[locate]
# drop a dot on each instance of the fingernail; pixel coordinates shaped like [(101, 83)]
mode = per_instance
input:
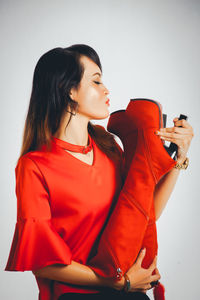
[(157, 132)]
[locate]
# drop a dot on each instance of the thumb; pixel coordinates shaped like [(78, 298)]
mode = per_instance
[(175, 119), (141, 256), (153, 265)]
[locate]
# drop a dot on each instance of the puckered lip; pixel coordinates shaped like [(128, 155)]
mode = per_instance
[(107, 101)]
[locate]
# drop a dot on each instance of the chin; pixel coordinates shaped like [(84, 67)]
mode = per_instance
[(101, 116)]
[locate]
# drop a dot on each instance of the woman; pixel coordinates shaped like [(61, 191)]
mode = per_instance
[(65, 191)]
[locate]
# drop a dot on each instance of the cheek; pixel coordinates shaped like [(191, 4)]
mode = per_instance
[(90, 96), (94, 92)]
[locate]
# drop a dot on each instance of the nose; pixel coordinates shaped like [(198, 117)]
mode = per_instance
[(106, 91)]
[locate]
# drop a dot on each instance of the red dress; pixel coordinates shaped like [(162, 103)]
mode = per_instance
[(62, 206)]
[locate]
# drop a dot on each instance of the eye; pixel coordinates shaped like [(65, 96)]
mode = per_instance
[(97, 82)]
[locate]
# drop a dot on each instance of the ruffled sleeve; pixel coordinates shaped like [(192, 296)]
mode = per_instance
[(36, 243)]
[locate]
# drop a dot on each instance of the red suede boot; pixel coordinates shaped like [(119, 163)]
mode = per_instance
[(150, 237), (118, 124), (123, 236)]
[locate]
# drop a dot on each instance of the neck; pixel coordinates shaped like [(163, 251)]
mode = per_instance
[(76, 131)]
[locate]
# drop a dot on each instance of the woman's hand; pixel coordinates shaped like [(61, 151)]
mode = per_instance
[(141, 278), (181, 136)]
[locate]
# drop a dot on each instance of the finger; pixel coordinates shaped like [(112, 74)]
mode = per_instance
[(175, 129), (139, 290), (175, 119), (153, 265), (155, 277), (141, 256), (182, 123), (148, 286), (179, 142), (171, 135), (145, 287), (157, 272)]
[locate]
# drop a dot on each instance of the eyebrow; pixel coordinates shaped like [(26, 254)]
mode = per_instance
[(97, 73)]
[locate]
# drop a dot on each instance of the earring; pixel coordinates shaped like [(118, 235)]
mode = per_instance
[(71, 113), (76, 106)]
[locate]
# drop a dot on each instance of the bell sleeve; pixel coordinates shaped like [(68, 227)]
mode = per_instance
[(36, 243)]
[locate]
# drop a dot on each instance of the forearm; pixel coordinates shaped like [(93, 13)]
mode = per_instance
[(77, 274), (163, 190), (181, 134)]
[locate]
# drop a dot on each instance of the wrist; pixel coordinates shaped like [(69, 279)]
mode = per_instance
[(118, 284), (180, 160), (127, 284), (182, 164)]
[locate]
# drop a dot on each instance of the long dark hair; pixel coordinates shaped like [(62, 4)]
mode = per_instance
[(56, 72)]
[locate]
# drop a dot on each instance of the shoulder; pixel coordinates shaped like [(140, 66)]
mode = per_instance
[(36, 157), (28, 172), (28, 163)]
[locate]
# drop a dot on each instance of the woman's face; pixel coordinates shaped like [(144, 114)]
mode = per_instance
[(92, 93)]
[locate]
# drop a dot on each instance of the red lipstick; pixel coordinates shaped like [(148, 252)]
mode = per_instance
[(107, 102)]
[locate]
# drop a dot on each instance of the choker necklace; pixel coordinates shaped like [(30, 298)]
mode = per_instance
[(75, 148)]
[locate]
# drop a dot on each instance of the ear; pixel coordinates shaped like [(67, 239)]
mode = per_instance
[(73, 94)]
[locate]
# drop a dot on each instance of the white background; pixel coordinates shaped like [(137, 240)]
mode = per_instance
[(147, 49)]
